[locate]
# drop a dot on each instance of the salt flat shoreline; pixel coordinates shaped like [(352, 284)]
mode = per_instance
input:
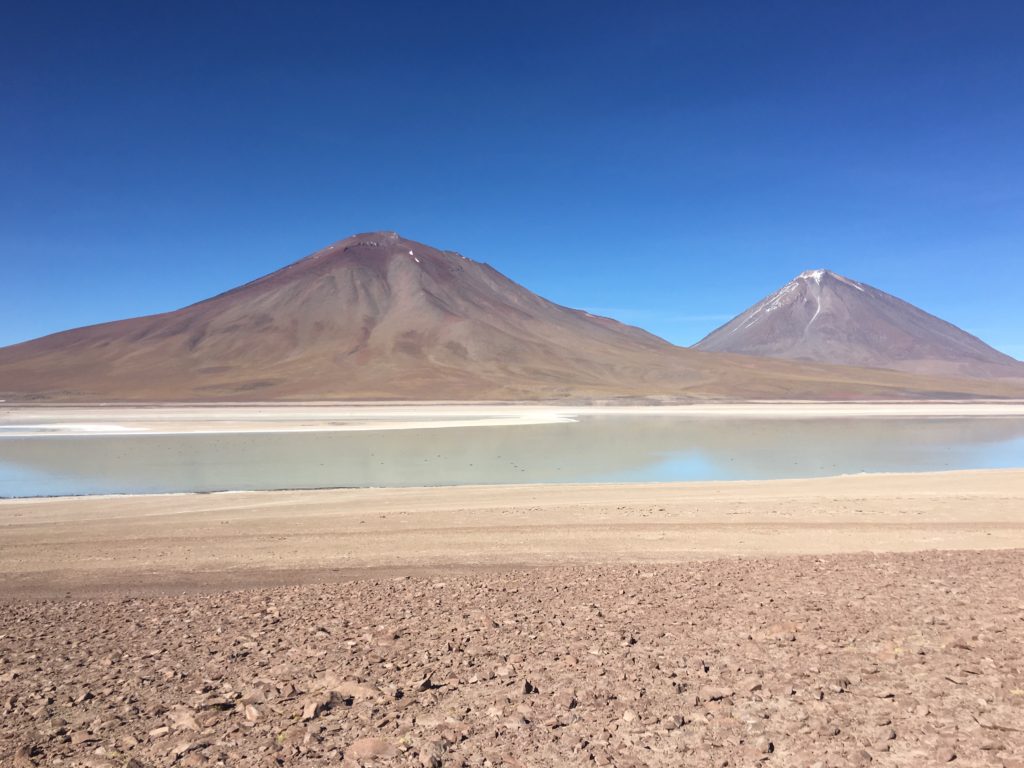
[(233, 539), (209, 542), (26, 420)]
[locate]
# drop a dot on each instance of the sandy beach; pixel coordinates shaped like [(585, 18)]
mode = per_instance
[(210, 541)]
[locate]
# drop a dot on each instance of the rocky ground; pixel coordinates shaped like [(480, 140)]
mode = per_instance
[(910, 659)]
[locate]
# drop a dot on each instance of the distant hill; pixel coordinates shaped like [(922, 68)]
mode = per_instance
[(824, 317), (377, 316)]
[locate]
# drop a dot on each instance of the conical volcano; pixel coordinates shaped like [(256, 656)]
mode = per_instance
[(824, 317), (373, 315)]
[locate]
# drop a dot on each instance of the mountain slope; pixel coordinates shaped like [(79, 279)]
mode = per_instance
[(377, 316), (825, 317)]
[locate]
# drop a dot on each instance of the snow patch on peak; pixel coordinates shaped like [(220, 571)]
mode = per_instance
[(812, 274), (780, 298), (777, 300), (817, 274)]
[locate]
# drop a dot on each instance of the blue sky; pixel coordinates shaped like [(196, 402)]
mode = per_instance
[(665, 163)]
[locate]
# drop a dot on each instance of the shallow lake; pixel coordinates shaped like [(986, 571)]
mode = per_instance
[(593, 449)]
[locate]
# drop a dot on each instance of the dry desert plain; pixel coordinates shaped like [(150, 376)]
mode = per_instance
[(871, 619)]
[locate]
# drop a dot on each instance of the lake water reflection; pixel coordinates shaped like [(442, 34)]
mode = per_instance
[(594, 449)]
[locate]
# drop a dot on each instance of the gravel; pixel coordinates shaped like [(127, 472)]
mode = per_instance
[(900, 659)]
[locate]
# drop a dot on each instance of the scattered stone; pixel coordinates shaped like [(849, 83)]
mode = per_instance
[(713, 693), (432, 753), (237, 678), (565, 700), (423, 684), (183, 748), (313, 707), (371, 749), (23, 757), (183, 720)]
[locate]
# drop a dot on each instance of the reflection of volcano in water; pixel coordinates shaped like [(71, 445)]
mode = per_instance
[(765, 449), (596, 449)]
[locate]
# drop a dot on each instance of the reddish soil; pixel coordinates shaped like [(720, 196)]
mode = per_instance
[(899, 659)]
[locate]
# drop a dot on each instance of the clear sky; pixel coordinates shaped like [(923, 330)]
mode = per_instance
[(665, 163)]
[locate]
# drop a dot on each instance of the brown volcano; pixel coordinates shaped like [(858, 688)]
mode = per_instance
[(376, 316), (828, 318)]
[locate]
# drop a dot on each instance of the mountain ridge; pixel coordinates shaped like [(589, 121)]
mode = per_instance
[(379, 316)]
